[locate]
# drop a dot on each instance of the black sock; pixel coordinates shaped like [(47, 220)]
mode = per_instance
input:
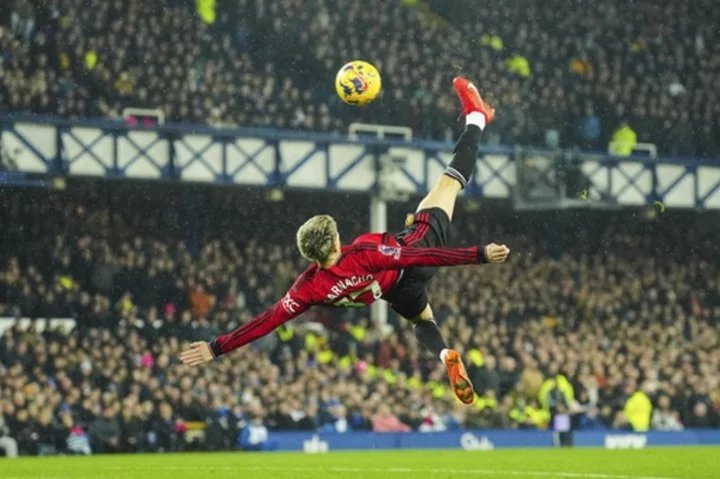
[(428, 334), (465, 155)]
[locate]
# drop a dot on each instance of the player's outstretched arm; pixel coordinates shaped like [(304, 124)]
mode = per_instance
[(279, 313), (382, 257)]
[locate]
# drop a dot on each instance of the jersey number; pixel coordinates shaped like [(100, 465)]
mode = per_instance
[(349, 300)]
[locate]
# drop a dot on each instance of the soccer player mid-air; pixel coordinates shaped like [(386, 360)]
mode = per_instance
[(395, 268)]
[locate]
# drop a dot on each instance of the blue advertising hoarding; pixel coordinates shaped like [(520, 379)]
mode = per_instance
[(485, 440)]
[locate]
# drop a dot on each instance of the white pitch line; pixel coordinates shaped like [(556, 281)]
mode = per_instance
[(478, 472), (406, 470)]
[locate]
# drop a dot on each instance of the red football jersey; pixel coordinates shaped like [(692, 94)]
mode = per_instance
[(364, 272)]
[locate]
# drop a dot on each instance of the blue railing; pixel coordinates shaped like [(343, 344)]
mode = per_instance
[(253, 156)]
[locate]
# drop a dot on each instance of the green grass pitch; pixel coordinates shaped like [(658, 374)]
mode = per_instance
[(657, 463)]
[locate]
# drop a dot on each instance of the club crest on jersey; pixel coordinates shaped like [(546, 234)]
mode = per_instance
[(389, 251), (409, 220)]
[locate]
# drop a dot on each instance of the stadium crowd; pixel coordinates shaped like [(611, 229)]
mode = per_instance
[(615, 322), (568, 74)]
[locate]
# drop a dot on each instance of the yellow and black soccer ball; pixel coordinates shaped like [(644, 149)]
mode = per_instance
[(358, 83)]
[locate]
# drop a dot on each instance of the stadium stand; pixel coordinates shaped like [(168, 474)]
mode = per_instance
[(618, 313), (562, 76)]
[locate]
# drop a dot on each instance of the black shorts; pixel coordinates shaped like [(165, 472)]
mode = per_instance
[(428, 228)]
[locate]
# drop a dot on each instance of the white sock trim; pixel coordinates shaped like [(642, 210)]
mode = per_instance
[(476, 118), (444, 353), (426, 320), (453, 173)]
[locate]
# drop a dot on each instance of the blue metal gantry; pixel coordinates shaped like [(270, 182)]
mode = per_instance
[(306, 160)]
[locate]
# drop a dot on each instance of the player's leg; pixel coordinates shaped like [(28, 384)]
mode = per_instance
[(410, 300), (430, 227), (428, 334), (477, 115)]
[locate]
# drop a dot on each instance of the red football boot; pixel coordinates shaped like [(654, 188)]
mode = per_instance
[(471, 99), (458, 376)]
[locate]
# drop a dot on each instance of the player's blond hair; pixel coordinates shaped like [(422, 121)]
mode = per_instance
[(316, 238)]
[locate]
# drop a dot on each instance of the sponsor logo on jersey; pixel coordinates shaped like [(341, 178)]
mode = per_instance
[(389, 251), (289, 304)]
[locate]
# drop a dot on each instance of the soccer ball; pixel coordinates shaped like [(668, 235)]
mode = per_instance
[(358, 83)]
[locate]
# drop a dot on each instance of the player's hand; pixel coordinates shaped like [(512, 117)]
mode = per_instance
[(496, 253), (198, 353)]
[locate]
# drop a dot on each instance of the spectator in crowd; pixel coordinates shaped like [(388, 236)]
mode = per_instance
[(78, 442), (700, 418), (7, 443), (624, 140), (105, 432), (254, 437), (22, 18), (337, 422), (638, 409), (664, 418), (385, 421), (590, 129)]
